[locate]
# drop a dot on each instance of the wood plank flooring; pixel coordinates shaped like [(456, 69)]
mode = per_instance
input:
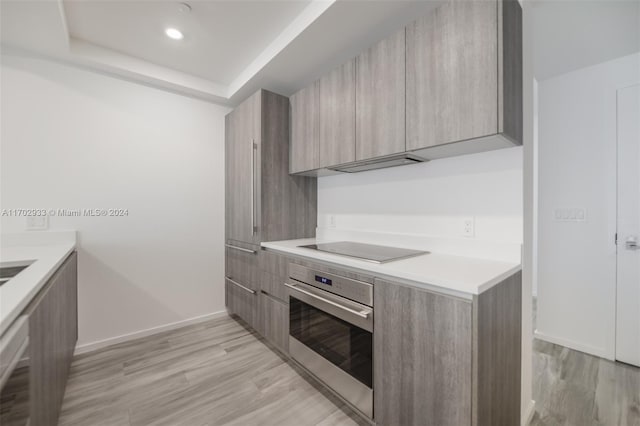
[(572, 388), (221, 373), (213, 373)]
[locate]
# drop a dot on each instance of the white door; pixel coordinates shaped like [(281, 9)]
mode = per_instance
[(628, 282)]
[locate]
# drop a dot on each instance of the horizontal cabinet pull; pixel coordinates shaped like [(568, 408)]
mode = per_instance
[(361, 314), (240, 248), (240, 285)]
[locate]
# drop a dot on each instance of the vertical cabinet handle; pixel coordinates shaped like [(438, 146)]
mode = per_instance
[(254, 148)]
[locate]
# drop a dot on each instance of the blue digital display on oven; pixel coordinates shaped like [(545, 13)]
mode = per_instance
[(323, 280)]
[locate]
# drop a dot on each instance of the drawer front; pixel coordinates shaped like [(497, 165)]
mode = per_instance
[(274, 318), (241, 301), (273, 285), (274, 263), (242, 264)]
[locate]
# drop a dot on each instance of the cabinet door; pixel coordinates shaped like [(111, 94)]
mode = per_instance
[(422, 357), (305, 132), (242, 301), (53, 332), (242, 165), (274, 321), (380, 99), (452, 74), (338, 116)]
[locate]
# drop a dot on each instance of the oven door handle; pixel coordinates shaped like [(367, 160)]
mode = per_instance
[(362, 314)]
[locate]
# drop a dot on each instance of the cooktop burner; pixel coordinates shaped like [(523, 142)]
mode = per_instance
[(368, 252)]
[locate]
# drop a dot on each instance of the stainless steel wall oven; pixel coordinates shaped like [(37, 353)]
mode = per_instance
[(331, 332)]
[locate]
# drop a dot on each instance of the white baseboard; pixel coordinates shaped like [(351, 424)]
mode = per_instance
[(591, 350), (527, 414), (100, 344)]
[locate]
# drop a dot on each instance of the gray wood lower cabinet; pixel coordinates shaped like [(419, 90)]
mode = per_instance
[(273, 302), (274, 321), (440, 360), (422, 357), (497, 353), (255, 292), (242, 301), (53, 332), (242, 263)]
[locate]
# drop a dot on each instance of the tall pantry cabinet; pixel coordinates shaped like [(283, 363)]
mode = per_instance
[(263, 202)]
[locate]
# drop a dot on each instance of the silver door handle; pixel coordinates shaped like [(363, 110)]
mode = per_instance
[(362, 314), (631, 244), (254, 148), (240, 285), (240, 248)]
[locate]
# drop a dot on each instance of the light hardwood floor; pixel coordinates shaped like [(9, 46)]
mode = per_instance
[(572, 388), (213, 373), (220, 373)]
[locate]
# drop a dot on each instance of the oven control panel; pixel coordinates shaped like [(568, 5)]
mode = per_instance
[(358, 291)]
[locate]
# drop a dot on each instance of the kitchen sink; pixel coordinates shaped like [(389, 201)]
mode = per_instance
[(9, 271)]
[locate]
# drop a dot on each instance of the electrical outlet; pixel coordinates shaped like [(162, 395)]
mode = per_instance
[(468, 227), (37, 223)]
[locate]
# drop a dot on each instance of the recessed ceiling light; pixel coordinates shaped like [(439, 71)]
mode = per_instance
[(174, 33)]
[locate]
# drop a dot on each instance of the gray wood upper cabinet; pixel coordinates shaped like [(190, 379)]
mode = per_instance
[(305, 129), (464, 75), (242, 301), (448, 84), (264, 202), (380, 99), (53, 332), (338, 115)]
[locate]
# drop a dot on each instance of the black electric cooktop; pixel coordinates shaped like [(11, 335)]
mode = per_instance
[(368, 252)]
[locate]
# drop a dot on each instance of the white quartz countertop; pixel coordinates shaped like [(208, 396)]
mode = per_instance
[(457, 275), (16, 293)]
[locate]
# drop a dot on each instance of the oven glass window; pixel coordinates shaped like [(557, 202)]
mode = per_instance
[(343, 344)]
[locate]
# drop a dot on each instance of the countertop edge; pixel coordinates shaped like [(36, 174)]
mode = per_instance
[(16, 311), (269, 246)]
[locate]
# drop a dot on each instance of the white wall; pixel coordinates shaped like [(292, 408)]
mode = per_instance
[(74, 139), (577, 169), (430, 199)]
